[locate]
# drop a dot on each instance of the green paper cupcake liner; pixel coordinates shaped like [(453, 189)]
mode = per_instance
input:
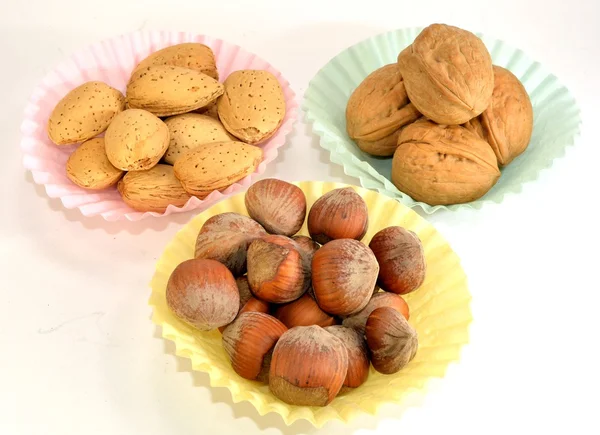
[(556, 115)]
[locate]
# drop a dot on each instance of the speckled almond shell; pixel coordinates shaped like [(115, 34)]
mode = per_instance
[(344, 273), (507, 123), (153, 189), (252, 107), (216, 166), (170, 90), (136, 140), (377, 109), (319, 378), (191, 130), (191, 55), (84, 112), (442, 165), (278, 206), (448, 74), (88, 166)]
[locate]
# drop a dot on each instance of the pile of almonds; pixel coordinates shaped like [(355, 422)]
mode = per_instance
[(178, 132), (303, 314), (448, 116)]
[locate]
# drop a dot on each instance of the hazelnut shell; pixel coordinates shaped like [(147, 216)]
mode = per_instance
[(308, 366)]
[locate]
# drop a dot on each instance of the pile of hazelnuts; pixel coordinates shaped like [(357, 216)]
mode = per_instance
[(304, 314)]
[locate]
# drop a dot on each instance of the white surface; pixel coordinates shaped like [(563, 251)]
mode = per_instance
[(79, 354)]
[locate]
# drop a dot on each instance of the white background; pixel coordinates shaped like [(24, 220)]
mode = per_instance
[(78, 352)]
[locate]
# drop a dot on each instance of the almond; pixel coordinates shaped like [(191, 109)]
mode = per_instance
[(210, 110), (191, 55), (152, 190), (136, 140), (84, 112), (253, 106), (88, 166), (170, 90), (216, 166), (191, 130)]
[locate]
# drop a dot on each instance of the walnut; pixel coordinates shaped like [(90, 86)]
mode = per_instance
[(507, 123), (448, 74), (377, 110), (439, 164)]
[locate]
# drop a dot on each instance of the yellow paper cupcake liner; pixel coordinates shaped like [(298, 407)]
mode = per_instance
[(439, 311)]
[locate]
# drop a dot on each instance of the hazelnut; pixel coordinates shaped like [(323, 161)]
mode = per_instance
[(278, 206), (225, 238), (358, 321), (307, 245), (254, 305), (358, 356), (392, 341), (277, 271), (344, 273), (244, 289), (303, 312), (308, 366), (203, 293), (339, 214), (399, 253), (248, 340)]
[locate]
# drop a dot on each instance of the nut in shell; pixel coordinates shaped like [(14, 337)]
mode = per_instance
[(203, 294), (216, 166), (225, 237), (303, 312), (84, 112), (377, 109), (320, 376), (280, 207), (253, 105), (166, 90), (190, 55), (441, 165), (191, 130), (358, 321), (249, 341), (89, 168), (358, 356), (344, 273), (152, 190), (391, 339), (448, 74), (401, 259), (136, 140), (277, 270), (339, 214), (507, 123)]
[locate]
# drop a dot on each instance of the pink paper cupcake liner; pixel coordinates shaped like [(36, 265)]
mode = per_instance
[(111, 61)]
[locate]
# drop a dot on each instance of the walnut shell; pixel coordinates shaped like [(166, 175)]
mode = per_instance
[(439, 164), (448, 74), (377, 110), (507, 123)]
